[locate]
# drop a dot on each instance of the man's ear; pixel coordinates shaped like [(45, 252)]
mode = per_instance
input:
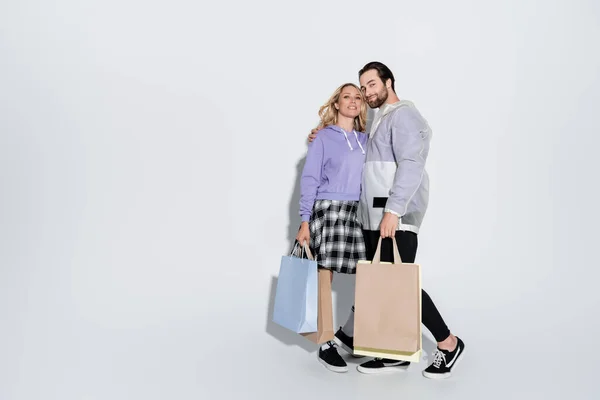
[(388, 83)]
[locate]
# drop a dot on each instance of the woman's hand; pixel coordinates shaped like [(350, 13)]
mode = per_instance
[(303, 235)]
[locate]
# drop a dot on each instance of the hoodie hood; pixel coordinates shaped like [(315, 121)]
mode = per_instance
[(385, 110), (339, 130)]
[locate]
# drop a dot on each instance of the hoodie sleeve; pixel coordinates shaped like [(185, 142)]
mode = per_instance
[(311, 177), (410, 144)]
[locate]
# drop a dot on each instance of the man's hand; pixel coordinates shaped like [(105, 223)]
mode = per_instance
[(389, 224), (313, 135), (303, 235)]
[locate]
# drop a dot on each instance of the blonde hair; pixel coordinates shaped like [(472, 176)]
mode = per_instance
[(329, 114)]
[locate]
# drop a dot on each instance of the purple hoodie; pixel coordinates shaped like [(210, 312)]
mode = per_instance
[(333, 168)]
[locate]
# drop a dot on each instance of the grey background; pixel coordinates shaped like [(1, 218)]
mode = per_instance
[(149, 158)]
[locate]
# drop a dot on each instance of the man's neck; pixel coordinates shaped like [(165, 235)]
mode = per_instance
[(392, 98)]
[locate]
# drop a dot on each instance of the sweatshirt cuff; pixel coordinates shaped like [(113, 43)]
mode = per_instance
[(305, 218), (392, 212)]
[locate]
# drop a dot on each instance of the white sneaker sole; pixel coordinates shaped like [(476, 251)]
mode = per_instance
[(332, 367), (384, 370), (447, 374)]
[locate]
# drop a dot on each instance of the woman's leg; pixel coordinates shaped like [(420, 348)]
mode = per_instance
[(328, 351)]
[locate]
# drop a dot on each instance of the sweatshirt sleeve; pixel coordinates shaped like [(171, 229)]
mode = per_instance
[(410, 144), (311, 178)]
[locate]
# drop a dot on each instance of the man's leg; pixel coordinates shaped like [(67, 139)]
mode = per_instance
[(407, 247), (408, 243), (450, 348)]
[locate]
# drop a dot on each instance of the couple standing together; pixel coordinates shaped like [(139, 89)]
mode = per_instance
[(356, 189)]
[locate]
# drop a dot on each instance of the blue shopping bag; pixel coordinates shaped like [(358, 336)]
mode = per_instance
[(296, 296)]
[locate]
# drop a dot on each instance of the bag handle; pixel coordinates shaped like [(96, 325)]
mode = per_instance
[(304, 248), (377, 256)]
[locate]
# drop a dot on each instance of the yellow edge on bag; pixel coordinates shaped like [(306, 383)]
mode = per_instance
[(396, 355)]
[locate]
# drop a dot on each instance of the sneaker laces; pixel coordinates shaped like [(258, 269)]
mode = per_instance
[(332, 344), (438, 357)]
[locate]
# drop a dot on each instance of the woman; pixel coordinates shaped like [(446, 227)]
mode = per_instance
[(330, 191)]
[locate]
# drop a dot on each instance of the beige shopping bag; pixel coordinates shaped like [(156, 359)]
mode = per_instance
[(325, 314), (387, 311)]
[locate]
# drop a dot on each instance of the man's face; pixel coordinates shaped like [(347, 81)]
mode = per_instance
[(373, 88)]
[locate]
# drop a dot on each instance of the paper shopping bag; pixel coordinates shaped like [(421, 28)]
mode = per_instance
[(296, 295), (325, 311), (387, 312)]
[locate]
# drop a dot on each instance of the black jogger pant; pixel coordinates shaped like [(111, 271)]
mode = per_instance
[(407, 247)]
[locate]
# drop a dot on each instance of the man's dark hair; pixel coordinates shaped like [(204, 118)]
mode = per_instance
[(383, 72)]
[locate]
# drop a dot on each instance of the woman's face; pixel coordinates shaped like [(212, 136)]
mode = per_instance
[(350, 102)]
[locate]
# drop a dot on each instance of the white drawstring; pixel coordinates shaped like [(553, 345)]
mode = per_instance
[(346, 136), (357, 141)]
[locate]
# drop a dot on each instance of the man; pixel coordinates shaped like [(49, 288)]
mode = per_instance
[(394, 198)]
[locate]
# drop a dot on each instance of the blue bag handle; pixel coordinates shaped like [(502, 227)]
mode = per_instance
[(304, 248)]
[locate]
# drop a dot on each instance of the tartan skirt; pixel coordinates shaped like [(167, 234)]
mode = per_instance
[(336, 236)]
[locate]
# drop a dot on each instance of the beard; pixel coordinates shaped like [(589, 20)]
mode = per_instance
[(380, 99)]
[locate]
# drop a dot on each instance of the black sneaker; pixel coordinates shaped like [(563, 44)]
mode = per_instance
[(331, 359), (444, 362), (345, 342), (382, 365)]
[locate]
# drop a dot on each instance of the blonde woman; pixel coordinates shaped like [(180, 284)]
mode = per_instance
[(330, 191)]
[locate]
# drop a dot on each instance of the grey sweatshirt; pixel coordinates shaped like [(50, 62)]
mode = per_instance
[(394, 176)]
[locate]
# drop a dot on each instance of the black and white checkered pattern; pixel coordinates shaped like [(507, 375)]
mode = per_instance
[(336, 238)]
